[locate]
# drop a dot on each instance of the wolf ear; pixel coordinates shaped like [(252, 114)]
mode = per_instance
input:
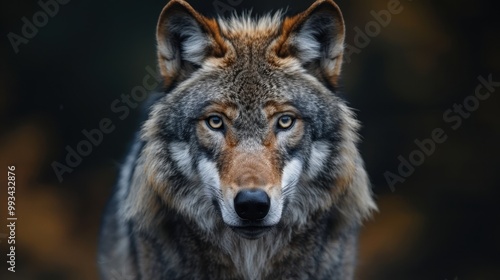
[(185, 40), (316, 38)]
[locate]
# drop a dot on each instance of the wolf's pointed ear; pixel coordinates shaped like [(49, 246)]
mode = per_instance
[(316, 38), (185, 40)]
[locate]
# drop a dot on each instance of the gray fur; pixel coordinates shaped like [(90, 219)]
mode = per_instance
[(170, 215)]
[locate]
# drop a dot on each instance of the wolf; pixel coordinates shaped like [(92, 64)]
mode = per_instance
[(247, 165)]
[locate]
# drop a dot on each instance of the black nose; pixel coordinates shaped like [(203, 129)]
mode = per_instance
[(252, 204)]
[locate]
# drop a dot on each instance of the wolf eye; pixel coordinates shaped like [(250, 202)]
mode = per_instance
[(215, 122), (285, 122)]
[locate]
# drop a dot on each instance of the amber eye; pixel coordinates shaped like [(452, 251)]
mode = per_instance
[(285, 122), (215, 122)]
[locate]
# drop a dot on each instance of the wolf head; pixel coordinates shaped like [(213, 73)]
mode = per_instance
[(250, 133)]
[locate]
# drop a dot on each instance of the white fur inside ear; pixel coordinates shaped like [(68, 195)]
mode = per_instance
[(193, 41), (309, 48), (194, 46), (318, 39)]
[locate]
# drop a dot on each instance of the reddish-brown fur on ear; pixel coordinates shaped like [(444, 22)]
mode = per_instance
[(170, 66), (292, 25)]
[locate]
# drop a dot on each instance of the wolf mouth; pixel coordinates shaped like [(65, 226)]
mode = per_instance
[(251, 232)]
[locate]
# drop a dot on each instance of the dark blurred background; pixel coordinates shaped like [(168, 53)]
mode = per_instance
[(442, 222)]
